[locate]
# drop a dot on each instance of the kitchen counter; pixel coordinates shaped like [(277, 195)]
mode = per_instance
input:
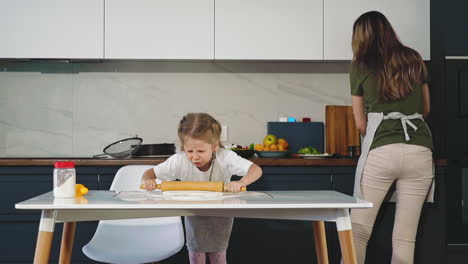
[(82, 161)]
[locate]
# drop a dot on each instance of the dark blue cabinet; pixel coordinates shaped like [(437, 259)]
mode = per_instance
[(278, 241), (293, 178), (266, 241), (106, 176), (19, 228), (343, 179)]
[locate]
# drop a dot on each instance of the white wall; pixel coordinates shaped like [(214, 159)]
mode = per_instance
[(78, 114)]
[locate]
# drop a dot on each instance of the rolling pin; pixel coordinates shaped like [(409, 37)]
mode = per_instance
[(193, 186)]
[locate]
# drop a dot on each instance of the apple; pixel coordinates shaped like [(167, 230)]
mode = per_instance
[(269, 139)]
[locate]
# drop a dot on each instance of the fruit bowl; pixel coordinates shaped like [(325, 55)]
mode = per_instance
[(272, 154), (245, 153)]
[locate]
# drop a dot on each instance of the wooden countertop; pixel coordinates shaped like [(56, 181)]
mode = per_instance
[(286, 162)]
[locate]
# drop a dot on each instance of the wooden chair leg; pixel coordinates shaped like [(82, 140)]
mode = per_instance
[(347, 246), (320, 242), (66, 248)]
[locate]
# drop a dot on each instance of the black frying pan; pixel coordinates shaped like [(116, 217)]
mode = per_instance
[(149, 150)]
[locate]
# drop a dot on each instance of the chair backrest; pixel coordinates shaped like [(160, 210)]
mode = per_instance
[(128, 178), (139, 240)]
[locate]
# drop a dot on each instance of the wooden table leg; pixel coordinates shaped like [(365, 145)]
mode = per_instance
[(320, 242), (45, 237), (66, 248), (345, 234)]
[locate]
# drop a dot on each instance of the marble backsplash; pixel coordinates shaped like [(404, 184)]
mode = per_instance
[(78, 114)]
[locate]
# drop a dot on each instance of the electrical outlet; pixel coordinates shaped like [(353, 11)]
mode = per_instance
[(224, 133)]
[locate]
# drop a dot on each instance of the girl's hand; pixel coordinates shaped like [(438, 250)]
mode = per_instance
[(149, 184), (148, 180), (235, 186)]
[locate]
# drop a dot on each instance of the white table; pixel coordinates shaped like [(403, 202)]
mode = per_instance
[(316, 206)]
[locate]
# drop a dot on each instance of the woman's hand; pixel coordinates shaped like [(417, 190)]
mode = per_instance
[(359, 114), (235, 186), (362, 126), (148, 180)]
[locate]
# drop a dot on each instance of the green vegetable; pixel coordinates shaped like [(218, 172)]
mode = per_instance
[(308, 150), (251, 146)]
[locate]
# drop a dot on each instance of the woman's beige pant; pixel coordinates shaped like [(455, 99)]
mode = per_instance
[(411, 167)]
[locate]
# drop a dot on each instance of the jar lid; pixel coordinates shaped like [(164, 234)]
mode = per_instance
[(64, 164)]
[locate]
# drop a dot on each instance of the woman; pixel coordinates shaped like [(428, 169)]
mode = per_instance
[(389, 83)]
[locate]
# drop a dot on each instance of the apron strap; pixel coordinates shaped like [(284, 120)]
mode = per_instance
[(405, 120), (373, 122)]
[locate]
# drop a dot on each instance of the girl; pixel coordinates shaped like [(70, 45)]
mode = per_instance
[(389, 82), (203, 159)]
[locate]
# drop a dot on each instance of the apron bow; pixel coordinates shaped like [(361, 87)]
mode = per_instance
[(405, 120)]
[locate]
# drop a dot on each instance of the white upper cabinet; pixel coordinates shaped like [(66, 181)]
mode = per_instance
[(52, 29), (410, 19), (269, 30), (199, 30), (159, 29)]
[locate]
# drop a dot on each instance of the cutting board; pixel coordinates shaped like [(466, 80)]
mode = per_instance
[(340, 129)]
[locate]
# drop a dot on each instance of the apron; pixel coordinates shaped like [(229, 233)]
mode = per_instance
[(209, 233), (373, 122)]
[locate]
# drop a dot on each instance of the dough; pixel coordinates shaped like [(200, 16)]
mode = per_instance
[(195, 195)]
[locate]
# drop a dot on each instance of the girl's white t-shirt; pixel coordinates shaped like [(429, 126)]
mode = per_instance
[(178, 166)]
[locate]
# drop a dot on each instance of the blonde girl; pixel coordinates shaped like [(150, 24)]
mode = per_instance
[(203, 159)]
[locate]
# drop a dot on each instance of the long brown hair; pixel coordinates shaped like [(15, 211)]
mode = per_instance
[(377, 49), (200, 126)]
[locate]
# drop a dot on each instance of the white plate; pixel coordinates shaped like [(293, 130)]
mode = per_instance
[(315, 156)]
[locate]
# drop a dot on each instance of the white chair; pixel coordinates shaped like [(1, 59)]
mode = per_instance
[(139, 240)]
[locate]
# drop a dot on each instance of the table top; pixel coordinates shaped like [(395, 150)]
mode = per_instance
[(156, 200)]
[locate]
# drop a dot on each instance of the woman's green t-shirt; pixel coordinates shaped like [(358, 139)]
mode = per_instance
[(390, 131)]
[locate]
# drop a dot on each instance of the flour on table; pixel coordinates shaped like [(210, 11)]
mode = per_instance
[(133, 196)]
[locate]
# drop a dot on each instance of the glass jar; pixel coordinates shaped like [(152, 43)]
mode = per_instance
[(64, 179)]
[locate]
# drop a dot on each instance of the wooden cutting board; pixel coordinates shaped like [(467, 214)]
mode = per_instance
[(340, 129)]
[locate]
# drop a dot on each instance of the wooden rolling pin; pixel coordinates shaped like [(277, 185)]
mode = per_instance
[(193, 186)]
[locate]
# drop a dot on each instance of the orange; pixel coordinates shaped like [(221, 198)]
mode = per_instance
[(258, 147), (281, 147), (80, 189), (266, 148), (283, 142), (274, 147)]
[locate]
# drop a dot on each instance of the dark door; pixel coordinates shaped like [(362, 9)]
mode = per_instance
[(457, 142)]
